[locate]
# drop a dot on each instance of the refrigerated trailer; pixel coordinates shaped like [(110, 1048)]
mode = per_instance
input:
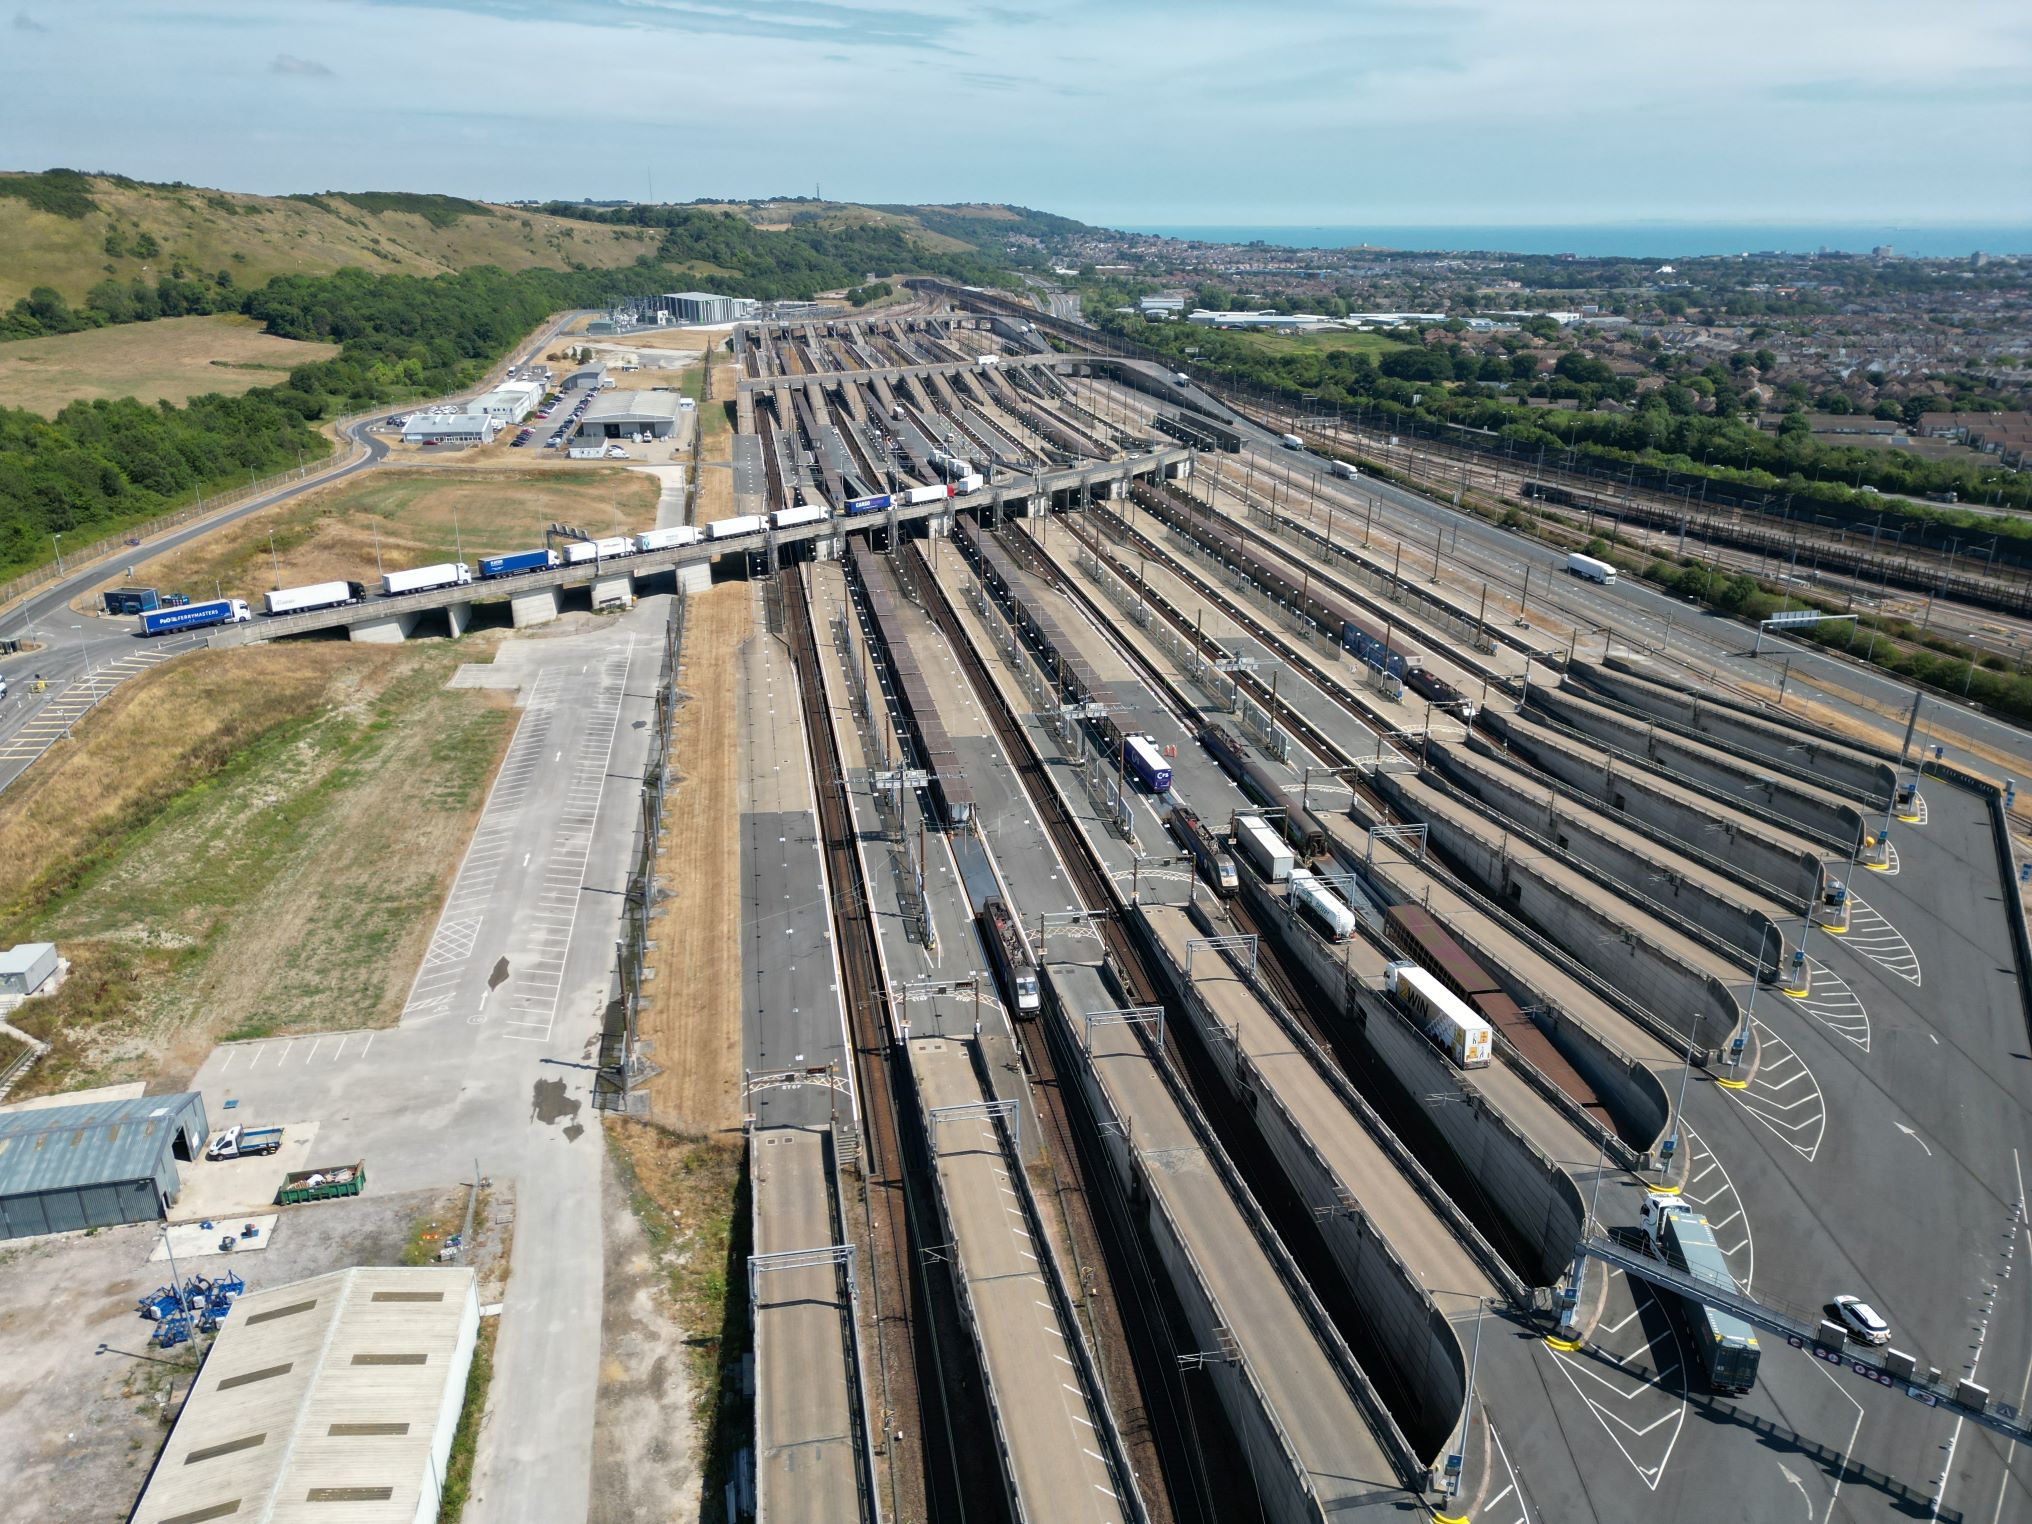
[(319, 595), (422, 579)]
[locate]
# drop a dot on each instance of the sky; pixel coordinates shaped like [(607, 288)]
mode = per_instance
[(1123, 112)]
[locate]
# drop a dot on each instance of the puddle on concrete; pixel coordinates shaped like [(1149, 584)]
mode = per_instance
[(499, 977), (549, 1104)]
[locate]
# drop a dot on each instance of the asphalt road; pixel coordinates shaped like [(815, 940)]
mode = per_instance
[(1639, 614), (491, 1063), (81, 654)]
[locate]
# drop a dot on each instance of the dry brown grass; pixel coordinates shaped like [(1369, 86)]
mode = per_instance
[(693, 1011), (411, 517), (243, 842), (168, 361)]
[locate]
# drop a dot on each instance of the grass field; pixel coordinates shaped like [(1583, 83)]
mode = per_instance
[(242, 842), (172, 360), (414, 516), (256, 237), (1371, 344)]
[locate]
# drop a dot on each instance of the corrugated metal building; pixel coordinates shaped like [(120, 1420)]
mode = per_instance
[(342, 1391), (620, 414), (451, 428), (96, 1165)]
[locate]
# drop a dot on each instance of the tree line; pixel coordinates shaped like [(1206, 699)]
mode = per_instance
[(97, 466)]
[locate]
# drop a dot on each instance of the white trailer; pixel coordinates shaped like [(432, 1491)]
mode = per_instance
[(578, 552), (1264, 848), (1345, 470), (912, 496), (987, 361), (1180, 378), (967, 484), (1588, 567), (734, 528), (319, 595), (796, 518), (1321, 906), (1442, 1015), (422, 579), (668, 539), (1291, 442)]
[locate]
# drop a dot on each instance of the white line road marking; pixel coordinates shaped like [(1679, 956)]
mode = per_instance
[(1913, 1134), (1798, 1117), (1875, 938), (1835, 1005)]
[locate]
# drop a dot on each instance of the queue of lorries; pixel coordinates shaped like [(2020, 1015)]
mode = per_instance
[(420, 579)]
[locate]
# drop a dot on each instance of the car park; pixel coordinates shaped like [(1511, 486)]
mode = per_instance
[(1861, 1321)]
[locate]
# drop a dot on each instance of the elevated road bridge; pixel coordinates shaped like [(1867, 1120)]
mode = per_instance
[(536, 597)]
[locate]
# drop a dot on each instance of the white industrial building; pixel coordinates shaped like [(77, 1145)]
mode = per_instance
[(511, 402), (700, 306), (334, 1397), (27, 968), (449, 428)]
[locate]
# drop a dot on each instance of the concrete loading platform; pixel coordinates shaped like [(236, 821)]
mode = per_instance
[(1320, 1440), (1674, 882), (1758, 852)]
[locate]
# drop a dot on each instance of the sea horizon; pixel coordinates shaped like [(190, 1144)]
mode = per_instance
[(1630, 240)]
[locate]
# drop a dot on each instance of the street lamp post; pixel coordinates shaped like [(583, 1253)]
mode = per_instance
[(56, 540), (1670, 1146)]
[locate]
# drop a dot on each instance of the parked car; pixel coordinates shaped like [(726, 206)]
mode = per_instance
[(1861, 1320)]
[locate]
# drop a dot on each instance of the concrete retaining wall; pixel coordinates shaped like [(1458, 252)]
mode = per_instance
[(1648, 875), (1632, 1092), (1540, 1205), (1683, 1000), (1426, 1362), (1777, 742), (1633, 792), (1809, 810), (1281, 1482)]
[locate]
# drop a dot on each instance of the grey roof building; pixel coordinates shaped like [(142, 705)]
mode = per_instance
[(95, 1165), (26, 968), (330, 1399), (618, 414)]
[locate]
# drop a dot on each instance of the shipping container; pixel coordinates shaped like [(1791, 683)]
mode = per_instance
[(1264, 848), (1455, 1028), (319, 595), (423, 578), (130, 600), (195, 616)]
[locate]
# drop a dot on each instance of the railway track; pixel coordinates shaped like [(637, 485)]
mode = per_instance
[(1125, 1307), (902, 1345)]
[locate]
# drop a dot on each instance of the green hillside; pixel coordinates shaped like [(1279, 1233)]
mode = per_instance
[(71, 231)]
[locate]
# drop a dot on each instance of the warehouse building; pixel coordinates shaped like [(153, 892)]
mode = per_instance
[(343, 1390), (449, 428), (95, 1165), (622, 415), (510, 402), (592, 377)]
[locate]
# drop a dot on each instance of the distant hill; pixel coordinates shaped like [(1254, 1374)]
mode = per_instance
[(71, 231), (986, 226)]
